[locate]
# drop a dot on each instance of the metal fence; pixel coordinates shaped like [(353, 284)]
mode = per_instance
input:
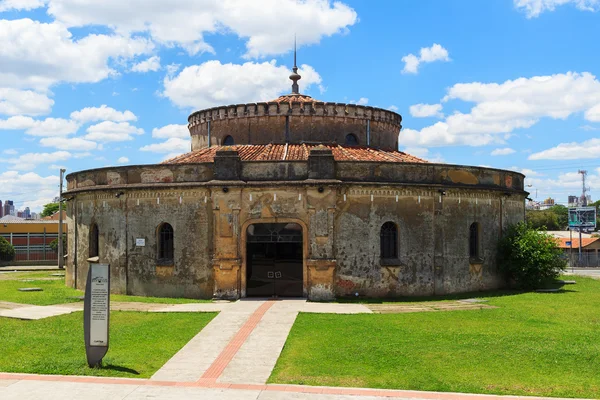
[(588, 259), (32, 246)]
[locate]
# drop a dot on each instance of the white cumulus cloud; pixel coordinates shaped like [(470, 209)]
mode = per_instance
[(570, 151), (502, 152), (47, 127), (426, 110), (29, 161), (172, 145), (24, 102), (500, 108), (171, 131), (123, 160), (151, 64), (36, 55), (427, 54), (63, 143), (109, 131), (533, 8), (268, 26), (212, 83), (102, 113), (42, 189)]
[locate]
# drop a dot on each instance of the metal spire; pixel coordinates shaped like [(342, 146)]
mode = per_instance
[(295, 77)]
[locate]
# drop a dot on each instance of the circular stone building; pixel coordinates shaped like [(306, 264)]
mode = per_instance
[(292, 197)]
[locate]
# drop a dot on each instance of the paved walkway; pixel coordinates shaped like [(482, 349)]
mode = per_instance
[(242, 343), (231, 358), (48, 387)]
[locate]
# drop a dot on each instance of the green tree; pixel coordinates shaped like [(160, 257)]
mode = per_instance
[(530, 258), (543, 220), (562, 215), (49, 209), (7, 251)]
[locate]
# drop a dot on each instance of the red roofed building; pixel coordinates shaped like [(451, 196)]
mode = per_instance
[(292, 197), (589, 250)]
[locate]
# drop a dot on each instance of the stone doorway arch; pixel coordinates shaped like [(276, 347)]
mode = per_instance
[(247, 264)]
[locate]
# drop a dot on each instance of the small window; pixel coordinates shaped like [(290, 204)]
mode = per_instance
[(351, 139), (228, 141), (389, 240), (474, 240), (165, 244), (93, 244)]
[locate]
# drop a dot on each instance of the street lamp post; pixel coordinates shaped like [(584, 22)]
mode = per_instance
[(60, 221)]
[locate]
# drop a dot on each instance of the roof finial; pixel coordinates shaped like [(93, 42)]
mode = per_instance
[(295, 77)]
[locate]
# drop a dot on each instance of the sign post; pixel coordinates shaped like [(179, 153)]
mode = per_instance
[(96, 313), (582, 218)]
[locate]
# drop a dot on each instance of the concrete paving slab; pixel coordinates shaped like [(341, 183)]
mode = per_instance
[(35, 312), (177, 393), (255, 360), (42, 390), (190, 363)]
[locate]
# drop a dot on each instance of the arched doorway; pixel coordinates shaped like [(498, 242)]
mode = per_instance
[(274, 263)]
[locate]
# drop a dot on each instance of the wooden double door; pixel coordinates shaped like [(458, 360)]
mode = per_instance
[(274, 260)]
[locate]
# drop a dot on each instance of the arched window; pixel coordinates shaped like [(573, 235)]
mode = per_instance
[(165, 244), (474, 240), (389, 240), (351, 139), (228, 141), (93, 243)]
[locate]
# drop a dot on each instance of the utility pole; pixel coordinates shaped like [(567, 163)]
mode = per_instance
[(60, 221), (584, 189)]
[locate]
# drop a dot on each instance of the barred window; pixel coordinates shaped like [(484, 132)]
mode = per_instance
[(93, 243), (165, 244), (474, 240), (351, 139), (389, 240), (228, 141)]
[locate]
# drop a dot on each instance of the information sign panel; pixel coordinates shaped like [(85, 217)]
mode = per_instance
[(582, 217), (96, 313)]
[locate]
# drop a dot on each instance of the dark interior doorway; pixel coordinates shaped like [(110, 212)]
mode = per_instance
[(274, 260)]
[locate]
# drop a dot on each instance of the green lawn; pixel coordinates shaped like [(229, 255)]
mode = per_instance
[(55, 291), (544, 344), (140, 343)]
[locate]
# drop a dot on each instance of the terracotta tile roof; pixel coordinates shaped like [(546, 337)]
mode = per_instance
[(295, 98), (562, 242), (295, 152)]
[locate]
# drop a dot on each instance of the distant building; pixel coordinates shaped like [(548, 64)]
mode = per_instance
[(20, 214), (9, 208), (27, 213), (573, 201), (532, 205), (1, 210), (549, 202)]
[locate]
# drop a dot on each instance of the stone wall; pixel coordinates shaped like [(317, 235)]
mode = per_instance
[(341, 222), (264, 123), (340, 205)]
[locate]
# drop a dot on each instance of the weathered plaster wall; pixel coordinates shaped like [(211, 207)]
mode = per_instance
[(264, 123), (137, 214), (341, 206)]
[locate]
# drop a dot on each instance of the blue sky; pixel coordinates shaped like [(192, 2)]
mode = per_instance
[(503, 83)]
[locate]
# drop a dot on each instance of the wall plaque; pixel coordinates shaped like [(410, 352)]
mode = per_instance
[(140, 242), (96, 313)]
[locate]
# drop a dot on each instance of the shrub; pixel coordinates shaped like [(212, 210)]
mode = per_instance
[(530, 258), (7, 251), (54, 245)]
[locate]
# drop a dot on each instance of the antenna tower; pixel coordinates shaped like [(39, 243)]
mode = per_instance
[(584, 188)]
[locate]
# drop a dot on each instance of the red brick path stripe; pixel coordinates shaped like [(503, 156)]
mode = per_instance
[(407, 394), (219, 365)]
